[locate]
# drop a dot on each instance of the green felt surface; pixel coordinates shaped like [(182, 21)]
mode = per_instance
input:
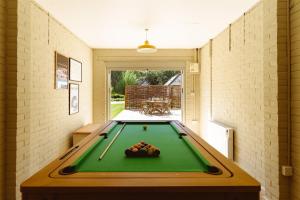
[(177, 155)]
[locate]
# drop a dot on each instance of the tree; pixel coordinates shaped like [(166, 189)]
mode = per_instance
[(128, 78), (159, 77), (119, 79)]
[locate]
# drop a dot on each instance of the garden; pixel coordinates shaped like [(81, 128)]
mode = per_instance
[(121, 79)]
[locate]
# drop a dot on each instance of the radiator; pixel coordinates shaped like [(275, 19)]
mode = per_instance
[(220, 137)]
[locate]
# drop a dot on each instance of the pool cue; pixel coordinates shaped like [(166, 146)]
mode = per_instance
[(111, 142)]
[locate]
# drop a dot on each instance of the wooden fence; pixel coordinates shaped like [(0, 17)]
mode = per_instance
[(136, 95)]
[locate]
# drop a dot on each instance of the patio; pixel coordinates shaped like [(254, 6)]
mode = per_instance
[(175, 114)]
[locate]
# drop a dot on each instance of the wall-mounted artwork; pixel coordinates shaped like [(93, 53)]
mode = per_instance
[(73, 98), (61, 71), (75, 70)]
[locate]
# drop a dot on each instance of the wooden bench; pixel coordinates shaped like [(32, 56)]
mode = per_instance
[(84, 131)]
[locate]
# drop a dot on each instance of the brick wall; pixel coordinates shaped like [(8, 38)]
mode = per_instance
[(295, 100), (2, 92), (23, 95), (39, 126), (236, 88), (191, 99), (275, 97), (205, 89), (249, 91), (49, 107), (270, 100), (282, 78), (11, 98)]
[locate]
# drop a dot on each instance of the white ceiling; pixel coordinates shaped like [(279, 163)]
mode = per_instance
[(121, 23)]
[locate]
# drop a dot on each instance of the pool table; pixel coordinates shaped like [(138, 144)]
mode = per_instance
[(98, 168)]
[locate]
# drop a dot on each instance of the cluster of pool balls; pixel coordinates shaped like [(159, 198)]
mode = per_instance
[(142, 149)]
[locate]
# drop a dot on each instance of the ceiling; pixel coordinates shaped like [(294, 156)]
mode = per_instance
[(121, 23)]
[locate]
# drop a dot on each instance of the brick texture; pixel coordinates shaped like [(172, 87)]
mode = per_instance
[(50, 107), (270, 100), (39, 126), (295, 98), (248, 90), (282, 78), (11, 99), (235, 88), (23, 95), (275, 97), (2, 93), (205, 89), (192, 97)]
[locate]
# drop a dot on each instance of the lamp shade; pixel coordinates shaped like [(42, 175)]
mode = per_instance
[(146, 47)]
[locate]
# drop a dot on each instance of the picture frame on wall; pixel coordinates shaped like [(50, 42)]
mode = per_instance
[(61, 71), (73, 98), (75, 70)]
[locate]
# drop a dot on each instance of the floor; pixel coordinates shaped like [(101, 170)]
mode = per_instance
[(137, 115)]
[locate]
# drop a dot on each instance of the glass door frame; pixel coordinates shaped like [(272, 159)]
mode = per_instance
[(109, 88)]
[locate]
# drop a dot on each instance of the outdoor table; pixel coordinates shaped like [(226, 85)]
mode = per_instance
[(157, 106)]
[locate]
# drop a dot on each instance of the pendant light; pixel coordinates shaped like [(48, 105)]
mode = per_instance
[(146, 47)]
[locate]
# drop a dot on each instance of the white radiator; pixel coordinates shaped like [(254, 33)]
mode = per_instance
[(220, 137)]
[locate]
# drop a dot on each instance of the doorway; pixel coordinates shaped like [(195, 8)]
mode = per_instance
[(143, 94)]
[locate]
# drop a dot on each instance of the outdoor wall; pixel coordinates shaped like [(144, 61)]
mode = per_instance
[(40, 126), (295, 101), (2, 92), (130, 59)]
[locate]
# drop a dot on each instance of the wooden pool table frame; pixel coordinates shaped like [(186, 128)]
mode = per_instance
[(232, 184)]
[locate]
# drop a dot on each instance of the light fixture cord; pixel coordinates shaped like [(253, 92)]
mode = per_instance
[(146, 33)]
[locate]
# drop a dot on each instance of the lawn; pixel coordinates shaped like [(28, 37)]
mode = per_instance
[(116, 108)]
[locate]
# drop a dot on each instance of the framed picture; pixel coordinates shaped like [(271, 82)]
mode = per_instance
[(61, 71), (75, 70), (73, 98)]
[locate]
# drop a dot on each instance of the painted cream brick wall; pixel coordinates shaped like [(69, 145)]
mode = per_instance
[(237, 88), (23, 96), (50, 107), (11, 98), (237, 92), (192, 99), (282, 74), (249, 84), (39, 126), (2, 92), (295, 100), (205, 89), (275, 97), (99, 89), (270, 99)]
